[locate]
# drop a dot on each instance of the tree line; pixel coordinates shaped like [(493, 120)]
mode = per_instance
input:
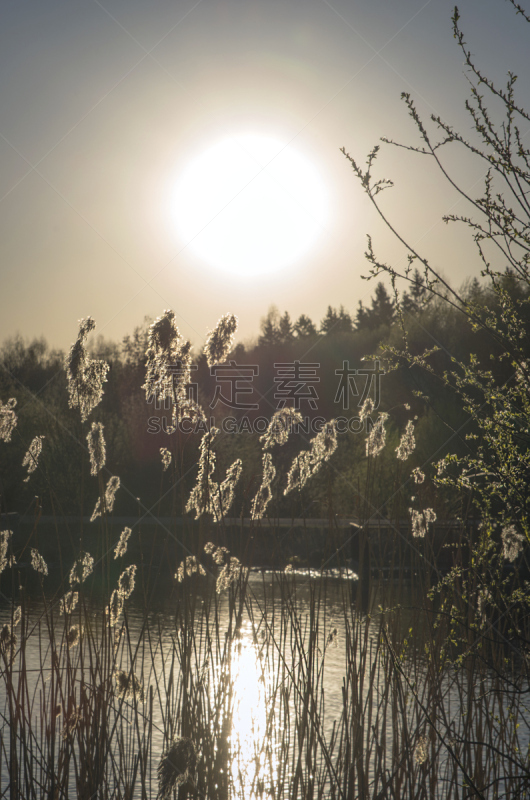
[(34, 374), (279, 329)]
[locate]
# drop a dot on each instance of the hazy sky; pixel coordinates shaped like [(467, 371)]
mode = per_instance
[(106, 104)]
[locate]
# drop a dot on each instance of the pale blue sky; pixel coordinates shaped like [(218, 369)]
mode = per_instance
[(105, 103)]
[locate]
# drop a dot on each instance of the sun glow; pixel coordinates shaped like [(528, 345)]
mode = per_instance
[(250, 204)]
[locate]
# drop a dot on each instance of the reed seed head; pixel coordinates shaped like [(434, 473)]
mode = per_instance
[(512, 542), (201, 498), (126, 581), (366, 409), (128, 685), (190, 566), (421, 752), (108, 500), (38, 563), (5, 537), (73, 636), (308, 462), (96, 448), (85, 376), (230, 573), (418, 475), (168, 367), (377, 438), (220, 341), (407, 442), (8, 642), (264, 493), (421, 520), (223, 496), (71, 722), (82, 568), (176, 766), (299, 473), (121, 547), (31, 459), (8, 420), (68, 603), (280, 427), (219, 554), (166, 457), (114, 608)]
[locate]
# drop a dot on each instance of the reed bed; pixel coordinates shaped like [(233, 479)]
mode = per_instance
[(275, 687)]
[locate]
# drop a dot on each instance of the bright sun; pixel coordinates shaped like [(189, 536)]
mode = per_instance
[(250, 204)]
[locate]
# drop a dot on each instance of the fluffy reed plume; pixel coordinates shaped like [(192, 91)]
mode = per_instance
[(421, 753), (219, 554), (72, 721), (202, 493), (82, 568), (308, 462), (264, 493), (8, 642), (31, 459), (166, 457), (377, 438), (17, 616), (8, 638), (38, 563), (231, 567), (323, 445), (223, 496), (121, 547), (484, 598), (229, 574), (73, 637), (68, 603), (280, 427), (407, 443), (168, 368), (418, 475), (128, 685), (85, 376), (299, 473), (177, 766), (114, 608), (108, 500), (126, 581), (366, 409), (220, 340), (5, 537), (8, 420), (512, 542), (420, 521), (96, 448), (190, 566)]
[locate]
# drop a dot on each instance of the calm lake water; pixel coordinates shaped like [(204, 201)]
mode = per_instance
[(264, 707)]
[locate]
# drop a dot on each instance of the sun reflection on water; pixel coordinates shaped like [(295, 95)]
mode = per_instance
[(249, 719)]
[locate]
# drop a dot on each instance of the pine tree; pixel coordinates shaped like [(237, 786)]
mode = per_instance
[(285, 329), (344, 322), (304, 327), (330, 320), (270, 328)]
